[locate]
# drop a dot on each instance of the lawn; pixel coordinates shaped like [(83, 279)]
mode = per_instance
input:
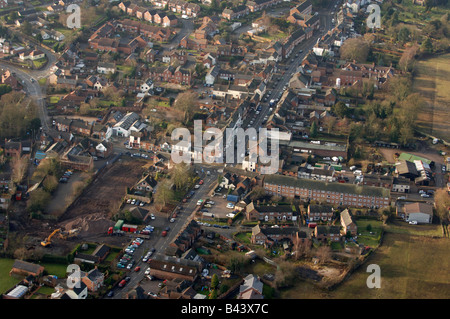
[(54, 99), (39, 63), (243, 238), (57, 270), (7, 281), (432, 82), (369, 237)]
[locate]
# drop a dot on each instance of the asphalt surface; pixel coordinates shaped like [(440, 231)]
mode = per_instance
[(29, 80), (160, 243)]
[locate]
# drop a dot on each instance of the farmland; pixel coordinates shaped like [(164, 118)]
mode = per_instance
[(432, 83)]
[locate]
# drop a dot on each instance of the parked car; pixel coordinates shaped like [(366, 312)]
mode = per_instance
[(230, 205), (413, 222), (122, 283)]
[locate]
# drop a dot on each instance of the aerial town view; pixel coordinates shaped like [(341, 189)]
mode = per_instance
[(242, 150)]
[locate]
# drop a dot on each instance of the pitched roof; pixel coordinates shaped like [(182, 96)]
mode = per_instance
[(346, 219)]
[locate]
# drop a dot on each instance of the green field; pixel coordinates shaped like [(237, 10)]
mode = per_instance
[(432, 82), (6, 281), (411, 267)]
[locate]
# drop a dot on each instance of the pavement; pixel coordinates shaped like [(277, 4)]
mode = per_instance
[(161, 221)]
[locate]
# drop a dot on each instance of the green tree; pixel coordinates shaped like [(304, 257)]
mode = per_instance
[(39, 199), (427, 46), (340, 109), (213, 294), (313, 131), (214, 281), (403, 35)]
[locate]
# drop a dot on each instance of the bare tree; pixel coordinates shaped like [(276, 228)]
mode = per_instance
[(186, 102), (164, 194), (406, 62), (355, 49), (19, 166), (442, 204), (301, 249), (323, 253), (182, 175)]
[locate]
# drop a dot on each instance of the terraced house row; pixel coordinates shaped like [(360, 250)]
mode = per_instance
[(332, 193)]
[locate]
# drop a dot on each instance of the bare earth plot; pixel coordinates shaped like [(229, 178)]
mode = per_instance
[(433, 83), (92, 211)]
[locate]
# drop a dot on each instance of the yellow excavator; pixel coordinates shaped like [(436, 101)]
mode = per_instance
[(69, 234), (47, 242), (62, 234)]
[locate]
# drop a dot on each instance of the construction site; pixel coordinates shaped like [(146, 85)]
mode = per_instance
[(88, 218)]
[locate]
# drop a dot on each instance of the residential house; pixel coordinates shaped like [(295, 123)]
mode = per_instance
[(32, 55), (147, 183), (269, 212), (235, 12), (93, 279), (269, 236), (420, 212), (104, 149), (252, 288), (105, 68), (168, 267), (331, 193), (320, 212), (401, 185), (327, 233), (347, 223)]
